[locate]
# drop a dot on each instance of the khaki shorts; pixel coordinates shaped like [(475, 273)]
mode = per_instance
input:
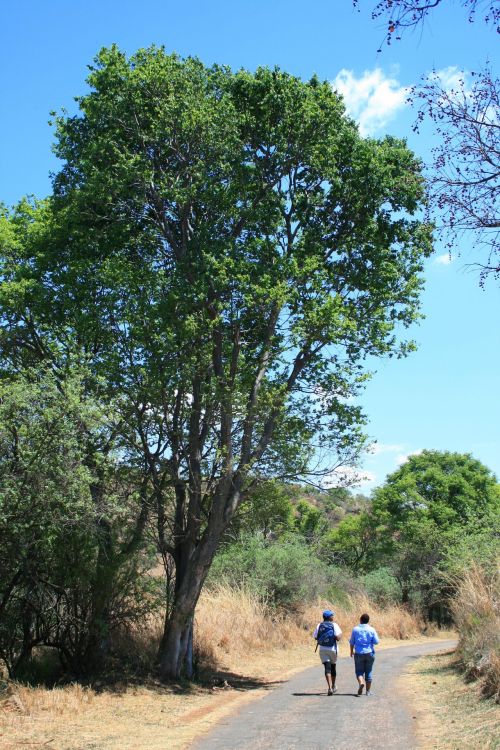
[(326, 654)]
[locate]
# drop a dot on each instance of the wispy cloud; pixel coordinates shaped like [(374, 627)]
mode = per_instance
[(377, 448), (450, 78), (372, 99), (348, 476), (404, 458), (444, 260)]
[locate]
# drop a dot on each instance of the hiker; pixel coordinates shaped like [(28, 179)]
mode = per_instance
[(327, 634), (363, 641)]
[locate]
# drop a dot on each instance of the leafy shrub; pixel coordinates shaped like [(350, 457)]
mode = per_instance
[(284, 572), (476, 608), (382, 586)]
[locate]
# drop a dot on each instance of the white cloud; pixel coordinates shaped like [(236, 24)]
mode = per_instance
[(404, 458), (372, 100), (377, 448), (348, 476), (444, 260), (450, 78)]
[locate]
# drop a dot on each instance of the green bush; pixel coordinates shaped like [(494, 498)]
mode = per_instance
[(382, 586), (284, 572)]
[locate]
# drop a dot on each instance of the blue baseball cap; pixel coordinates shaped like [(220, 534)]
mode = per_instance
[(328, 613)]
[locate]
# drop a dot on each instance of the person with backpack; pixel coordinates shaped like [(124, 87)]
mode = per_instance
[(363, 640), (327, 634)]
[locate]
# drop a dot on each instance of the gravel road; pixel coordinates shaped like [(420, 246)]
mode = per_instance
[(299, 714)]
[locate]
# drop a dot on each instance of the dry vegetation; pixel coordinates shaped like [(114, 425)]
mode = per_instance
[(127, 715), (450, 714), (230, 619), (476, 610)]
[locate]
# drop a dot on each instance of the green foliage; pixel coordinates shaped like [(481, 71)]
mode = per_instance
[(448, 489), (382, 587), (309, 521), (65, 523), (223, 251), (267, 510), (422, 516), (284, 572), (351, 543)]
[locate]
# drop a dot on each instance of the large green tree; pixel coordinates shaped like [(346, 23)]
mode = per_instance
[(226, 250), (448, 489), (423, 511)]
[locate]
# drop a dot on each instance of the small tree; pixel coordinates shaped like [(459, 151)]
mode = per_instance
[(70, 571), (422, 512), (400, 15), (465, 179), (450, 489)]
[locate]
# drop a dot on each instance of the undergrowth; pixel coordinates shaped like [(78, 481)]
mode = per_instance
[(476, 610)]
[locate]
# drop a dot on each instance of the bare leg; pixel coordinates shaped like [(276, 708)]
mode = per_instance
[(361, 684), (368, 686)]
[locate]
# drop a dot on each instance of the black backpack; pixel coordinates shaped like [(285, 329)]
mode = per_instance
[(326, 635)]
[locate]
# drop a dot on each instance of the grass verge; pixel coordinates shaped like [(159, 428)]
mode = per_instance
[(450, 714), (136, 714), (152, 716)]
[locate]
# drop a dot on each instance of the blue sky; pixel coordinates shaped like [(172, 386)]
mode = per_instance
[(444, 396)]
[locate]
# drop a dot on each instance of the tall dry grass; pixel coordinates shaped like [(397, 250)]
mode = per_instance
[(27, 700), (229, 621), (232, 619), (476, 610)]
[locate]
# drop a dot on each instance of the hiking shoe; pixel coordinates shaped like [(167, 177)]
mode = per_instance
[(360, 689), (330, 692)]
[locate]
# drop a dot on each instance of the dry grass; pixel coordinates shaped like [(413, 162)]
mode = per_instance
[(450, 715), (476, 610), (154, 716), (229, 619)]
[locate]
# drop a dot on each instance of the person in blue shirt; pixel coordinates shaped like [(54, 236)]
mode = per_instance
[(363, 641)]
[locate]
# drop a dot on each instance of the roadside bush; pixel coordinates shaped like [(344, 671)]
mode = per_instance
[(343, 586), (382, 586), (476, 609), (73, 564), (284, 572)]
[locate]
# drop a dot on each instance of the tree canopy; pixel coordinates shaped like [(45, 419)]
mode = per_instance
[(446, 488), (222, 250)]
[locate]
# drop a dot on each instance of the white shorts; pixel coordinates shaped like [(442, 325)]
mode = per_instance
[(327, 654)]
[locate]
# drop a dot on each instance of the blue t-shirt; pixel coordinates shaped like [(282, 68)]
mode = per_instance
[(364, 638)]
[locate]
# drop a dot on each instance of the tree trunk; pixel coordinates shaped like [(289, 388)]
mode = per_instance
[(405, 595), (192, 566), (176, 647), (98, 639)]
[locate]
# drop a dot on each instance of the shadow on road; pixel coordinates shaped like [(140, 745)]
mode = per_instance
[(324, 695)]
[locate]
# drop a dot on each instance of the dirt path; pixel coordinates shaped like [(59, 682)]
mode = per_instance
[(298, 714)]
